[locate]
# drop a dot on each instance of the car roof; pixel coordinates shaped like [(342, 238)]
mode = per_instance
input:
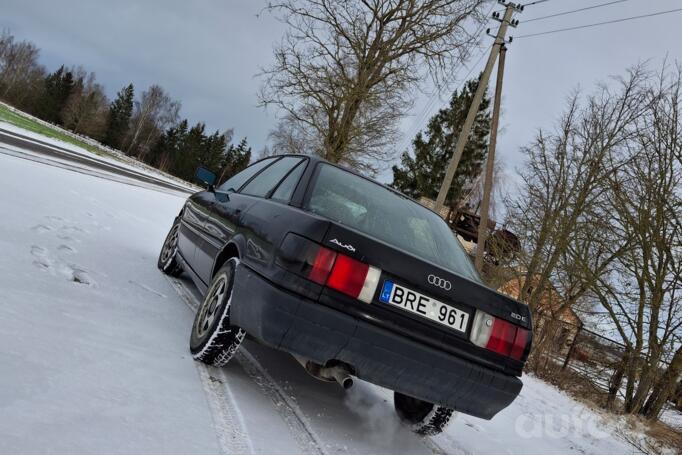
[(318, 159)]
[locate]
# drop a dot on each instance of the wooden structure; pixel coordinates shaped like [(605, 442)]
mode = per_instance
[(500, 244), (550, 308)]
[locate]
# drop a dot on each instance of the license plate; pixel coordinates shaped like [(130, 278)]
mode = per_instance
[(424, 306)]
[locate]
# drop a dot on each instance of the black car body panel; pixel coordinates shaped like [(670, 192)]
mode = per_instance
[(281, 319), (383, 344)]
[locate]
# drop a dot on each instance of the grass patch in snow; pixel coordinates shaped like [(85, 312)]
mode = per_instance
[(26, 122), (13, 118)]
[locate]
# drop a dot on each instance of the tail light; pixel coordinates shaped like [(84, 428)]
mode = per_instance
[(499, 336), (329, 268), (322, 266)]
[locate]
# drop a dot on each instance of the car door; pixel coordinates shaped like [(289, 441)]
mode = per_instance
[(219, 216), (271, 216), (229, 216), (189, 235)]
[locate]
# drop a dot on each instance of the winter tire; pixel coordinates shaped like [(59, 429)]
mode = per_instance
[(213, 340), (425, 419), (168, 262)]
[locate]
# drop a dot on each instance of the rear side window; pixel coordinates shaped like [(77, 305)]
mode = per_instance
[(387, 216), (270, 177), (236, 181), (286, 189)]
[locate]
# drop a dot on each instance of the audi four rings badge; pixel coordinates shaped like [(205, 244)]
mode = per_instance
[(348, 246), (439, 282)]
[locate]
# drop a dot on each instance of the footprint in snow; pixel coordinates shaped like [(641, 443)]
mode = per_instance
[(42, 264), (81, 277), (38, 251), (42, 260), (66, 238), (76, 274), (41, 228), (72, 272), (66, 249), (71, 228)]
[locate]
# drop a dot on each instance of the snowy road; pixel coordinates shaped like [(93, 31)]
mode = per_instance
[(94, 357), (15, 141)]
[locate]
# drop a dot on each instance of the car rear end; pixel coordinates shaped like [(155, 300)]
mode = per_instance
[(380, 284)]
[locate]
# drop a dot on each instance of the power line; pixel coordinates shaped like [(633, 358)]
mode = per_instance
[(471, 69), (439, 91), (535, 3), (500, 38), (426, 110), (574, 11), (600, 23), (454, 79)]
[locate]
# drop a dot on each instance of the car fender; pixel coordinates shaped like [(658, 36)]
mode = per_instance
[(234, 247)]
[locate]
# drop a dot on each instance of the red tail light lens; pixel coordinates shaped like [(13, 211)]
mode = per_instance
[(502, 337), (520, 343), (348, 276), (328, 268), (324, 261), (499, 336)]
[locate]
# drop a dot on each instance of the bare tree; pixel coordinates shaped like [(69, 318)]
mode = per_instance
[(287, 137), (154, 113), (666, 385), (20, 73), (345, 71), (565, 175), (599, 217), (646, 198), (87, 107)]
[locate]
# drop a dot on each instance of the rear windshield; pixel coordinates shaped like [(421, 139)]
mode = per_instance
[(376, 211)]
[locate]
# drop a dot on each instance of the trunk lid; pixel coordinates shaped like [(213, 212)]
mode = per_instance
[(420, 275)]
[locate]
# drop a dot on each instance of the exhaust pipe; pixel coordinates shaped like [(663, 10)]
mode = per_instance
[(339, 373)]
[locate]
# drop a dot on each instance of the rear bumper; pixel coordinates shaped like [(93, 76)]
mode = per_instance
[(301, 326)]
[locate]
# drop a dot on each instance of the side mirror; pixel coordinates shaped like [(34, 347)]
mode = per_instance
[(205, 176)]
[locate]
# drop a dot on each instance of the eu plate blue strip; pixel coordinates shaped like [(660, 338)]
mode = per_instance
[(386, 291)]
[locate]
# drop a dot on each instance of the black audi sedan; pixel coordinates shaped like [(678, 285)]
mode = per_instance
[(353, 279)]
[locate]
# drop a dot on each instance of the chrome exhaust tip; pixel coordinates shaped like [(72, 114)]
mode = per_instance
[(338, 373), (341, 376)]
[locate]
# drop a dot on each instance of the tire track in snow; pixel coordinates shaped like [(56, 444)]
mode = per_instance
[(306, 438), (228, 422), (227, 419), (302, 432)]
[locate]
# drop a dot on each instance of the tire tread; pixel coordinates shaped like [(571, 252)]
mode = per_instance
[(224, 342)]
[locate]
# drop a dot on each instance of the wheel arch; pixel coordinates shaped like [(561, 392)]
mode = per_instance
[(230, 250)]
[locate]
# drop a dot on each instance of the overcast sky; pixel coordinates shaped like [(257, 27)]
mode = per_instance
[(207, 54)]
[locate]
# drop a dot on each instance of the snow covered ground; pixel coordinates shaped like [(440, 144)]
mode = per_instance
[(94, 356)]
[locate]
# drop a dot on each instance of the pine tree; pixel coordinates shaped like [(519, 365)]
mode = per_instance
[(181, 149), (421, 175), (236, 159), (58, 86), (167, 153), (120, 112)]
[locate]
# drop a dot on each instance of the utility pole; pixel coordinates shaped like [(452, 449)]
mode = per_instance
[(490, 164), (476, 102)]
